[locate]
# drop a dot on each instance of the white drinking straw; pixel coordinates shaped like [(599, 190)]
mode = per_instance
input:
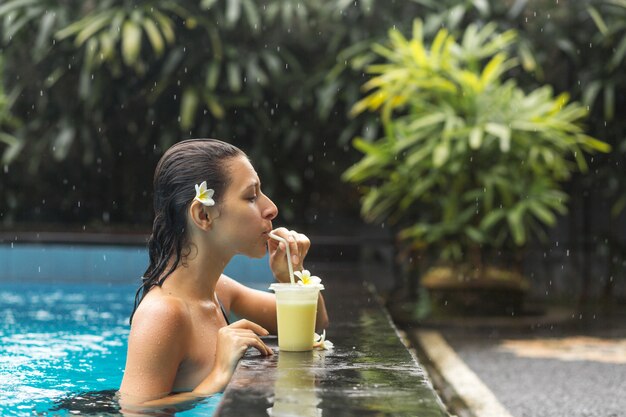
[(280, 239)]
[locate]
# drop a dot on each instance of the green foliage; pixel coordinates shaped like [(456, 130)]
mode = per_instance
[(103, 87), (604, 83), (610, 19), (587, 62), (106, 86), (8, 122), (468, 159)]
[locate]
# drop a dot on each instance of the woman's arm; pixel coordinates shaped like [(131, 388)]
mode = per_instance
[(259, 306)]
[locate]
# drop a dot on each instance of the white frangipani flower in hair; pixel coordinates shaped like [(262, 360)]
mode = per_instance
[(204, 195)]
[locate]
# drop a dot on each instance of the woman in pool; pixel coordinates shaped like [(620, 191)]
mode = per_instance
[(181, 346)]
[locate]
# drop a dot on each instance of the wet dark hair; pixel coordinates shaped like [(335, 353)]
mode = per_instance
[(181, 167)]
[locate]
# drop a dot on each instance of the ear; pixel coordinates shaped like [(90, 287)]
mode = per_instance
[(201, 215)]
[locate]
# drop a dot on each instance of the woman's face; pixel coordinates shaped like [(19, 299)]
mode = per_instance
[(246, 213)]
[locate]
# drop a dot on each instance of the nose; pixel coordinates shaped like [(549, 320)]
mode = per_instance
[(270, 211)]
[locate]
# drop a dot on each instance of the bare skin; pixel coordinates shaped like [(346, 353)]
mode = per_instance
[(180, 348)]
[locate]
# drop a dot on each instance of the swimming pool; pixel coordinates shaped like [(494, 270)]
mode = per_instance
[(63, 341)]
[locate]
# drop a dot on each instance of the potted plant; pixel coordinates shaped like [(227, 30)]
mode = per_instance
[(470, 167)]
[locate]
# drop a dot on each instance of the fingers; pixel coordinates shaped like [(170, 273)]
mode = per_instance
[(254, 341), (245, 338), (291, 241), (303, 244), (249, 325), (298, 243)]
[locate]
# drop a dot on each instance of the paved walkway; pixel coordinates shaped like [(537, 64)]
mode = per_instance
[(572, 368)]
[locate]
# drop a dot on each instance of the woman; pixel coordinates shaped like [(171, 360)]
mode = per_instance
[(208, 207)]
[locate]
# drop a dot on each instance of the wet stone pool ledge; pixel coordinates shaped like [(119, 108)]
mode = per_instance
[(369, 372)]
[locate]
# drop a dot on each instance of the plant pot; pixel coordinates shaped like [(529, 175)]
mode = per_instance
[(487, 291)]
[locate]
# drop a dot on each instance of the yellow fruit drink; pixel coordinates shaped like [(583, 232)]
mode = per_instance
[(296, 309), (296, 325)]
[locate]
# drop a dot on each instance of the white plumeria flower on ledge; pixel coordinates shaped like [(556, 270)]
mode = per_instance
[(321, 342), (204, 195), (306, 278)]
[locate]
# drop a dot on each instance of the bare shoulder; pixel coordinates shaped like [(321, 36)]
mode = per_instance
[(161, 315), (157, 344)]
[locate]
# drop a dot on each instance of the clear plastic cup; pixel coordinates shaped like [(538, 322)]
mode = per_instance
[(296, 310)]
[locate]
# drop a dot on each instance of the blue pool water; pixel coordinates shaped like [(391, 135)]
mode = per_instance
[(64, 325), (61, 341)]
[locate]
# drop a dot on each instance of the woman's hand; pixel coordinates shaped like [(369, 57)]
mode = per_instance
[(299, 245), (234, 340)]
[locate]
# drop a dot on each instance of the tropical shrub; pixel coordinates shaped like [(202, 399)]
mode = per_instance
[(469, 162), (588, 63)]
